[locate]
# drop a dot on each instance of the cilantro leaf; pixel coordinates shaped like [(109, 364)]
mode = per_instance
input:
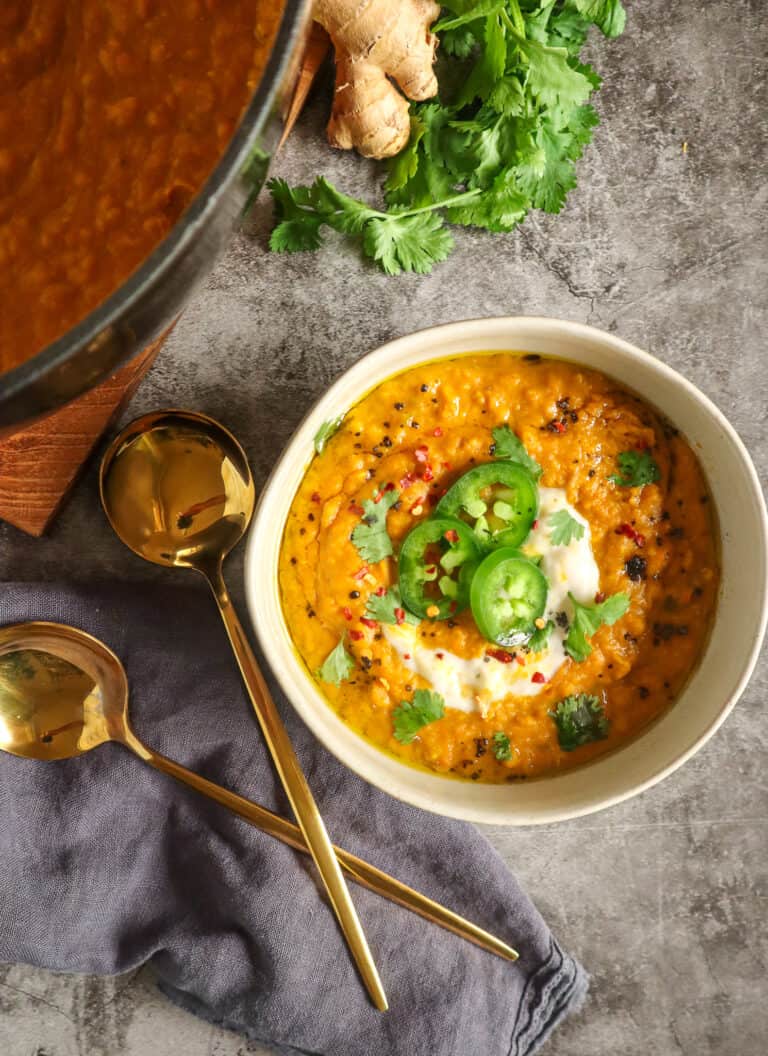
[(426, 707), (381, 607), (297, 228), (587, 619), (510, 447), (370, 536), (565, 528), (608, 15), (579, 720), (502, 749), (636, 468), (399, 242), (338, 666), (540, 638), (326, 431)]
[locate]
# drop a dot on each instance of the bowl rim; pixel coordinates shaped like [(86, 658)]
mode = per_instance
[(366, 374)]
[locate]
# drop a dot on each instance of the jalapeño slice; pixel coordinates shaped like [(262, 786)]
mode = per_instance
[(508, 595), (499, 499), (437, 560)]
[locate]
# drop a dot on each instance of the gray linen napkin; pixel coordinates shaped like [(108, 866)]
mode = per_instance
[(106, 864)]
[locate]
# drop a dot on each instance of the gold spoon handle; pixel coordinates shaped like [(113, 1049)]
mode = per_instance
[(361, 871), (299, 795)]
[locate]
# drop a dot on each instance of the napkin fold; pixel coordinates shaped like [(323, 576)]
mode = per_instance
[(106, 864)]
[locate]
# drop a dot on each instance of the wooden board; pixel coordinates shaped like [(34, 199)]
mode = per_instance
[(39, 464)]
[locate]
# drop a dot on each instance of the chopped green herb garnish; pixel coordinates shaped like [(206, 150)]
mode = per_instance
[(510, 447), (587, 619), (565, 528), (338, 666), (579, 720), (388, 608), (502, 749), (540, 638), (636, 469), (326, 431), (426, 707), (371, 537)]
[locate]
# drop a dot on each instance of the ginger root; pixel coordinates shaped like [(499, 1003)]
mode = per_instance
[(376, 40)]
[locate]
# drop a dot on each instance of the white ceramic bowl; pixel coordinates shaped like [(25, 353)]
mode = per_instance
[(739, 624)]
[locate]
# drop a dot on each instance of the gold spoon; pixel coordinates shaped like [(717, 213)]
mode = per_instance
[(63, 692), (177, 489)]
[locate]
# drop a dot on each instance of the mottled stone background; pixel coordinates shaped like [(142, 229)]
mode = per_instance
[(663, 898)]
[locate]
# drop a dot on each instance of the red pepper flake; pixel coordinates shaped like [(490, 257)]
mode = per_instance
[(451, 535), (430, 569), (599, 598), (380, 592), (520, 660), (440, 656), (453, 607), (354, 508), (644, 446), (422, 453), (407, 480), (427, 474), (347, 612), (500, 655), (388, 487), (369, 623), (538, 678), (399, 616), (631, 533), (446, 465), (361, 572), (535, 523), (406, 656), (355, 635), (316, 497), (433, 499), (437, 431)]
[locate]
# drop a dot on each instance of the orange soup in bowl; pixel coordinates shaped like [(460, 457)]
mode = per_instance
[(500, 565)]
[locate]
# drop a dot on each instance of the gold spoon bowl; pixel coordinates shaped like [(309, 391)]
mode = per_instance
[(63, 693)]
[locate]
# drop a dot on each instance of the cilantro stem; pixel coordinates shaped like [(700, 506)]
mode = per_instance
[(517, 22), (444, 204)]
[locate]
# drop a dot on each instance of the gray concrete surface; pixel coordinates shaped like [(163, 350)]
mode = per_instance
[(663, 898)]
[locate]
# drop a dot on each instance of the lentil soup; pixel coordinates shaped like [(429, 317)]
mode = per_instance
[(500, 566), (112, 115)]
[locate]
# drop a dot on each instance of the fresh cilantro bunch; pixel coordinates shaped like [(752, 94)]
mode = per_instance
[(503, 137)]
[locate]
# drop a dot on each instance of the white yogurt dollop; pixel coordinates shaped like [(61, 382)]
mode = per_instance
[(474, 684)]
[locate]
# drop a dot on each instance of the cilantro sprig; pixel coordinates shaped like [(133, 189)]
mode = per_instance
[(370, 536), (411, 715), (510, 447), (326, 431), (388, 608), (400, 240), (636, 468), (588, 619), (580, 720), (502, 747), (337, 667), (503, 137), (565, 528)]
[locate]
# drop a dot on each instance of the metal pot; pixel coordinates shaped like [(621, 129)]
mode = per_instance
[(139, 309)]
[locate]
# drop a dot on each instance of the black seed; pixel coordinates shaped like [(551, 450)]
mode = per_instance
[(644, 692), (532, 357), (591, 473), (294, 561), (636, 568), (425, 388), (399, 406), (310, 517), (354, 594), (386, 442)]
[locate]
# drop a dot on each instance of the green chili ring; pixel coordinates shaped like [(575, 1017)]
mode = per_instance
[(438, 589), (499, 499)]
